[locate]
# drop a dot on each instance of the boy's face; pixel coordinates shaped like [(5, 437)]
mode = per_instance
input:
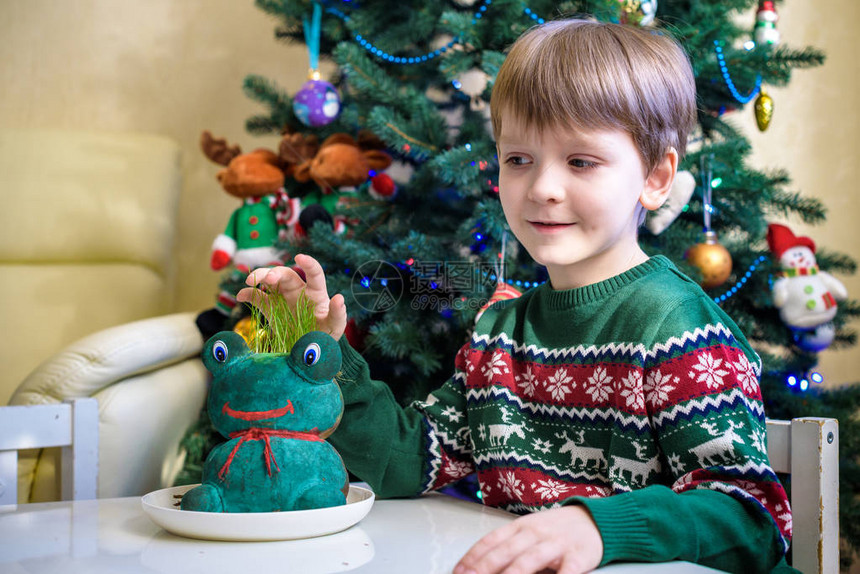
[(572, 198)]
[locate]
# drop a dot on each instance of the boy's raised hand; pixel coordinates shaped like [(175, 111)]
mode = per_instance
[(564, 540), (330, 313)]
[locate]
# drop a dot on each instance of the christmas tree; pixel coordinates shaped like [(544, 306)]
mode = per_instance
[(416, 263)]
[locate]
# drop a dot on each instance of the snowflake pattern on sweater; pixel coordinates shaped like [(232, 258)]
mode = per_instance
[(673, 400)]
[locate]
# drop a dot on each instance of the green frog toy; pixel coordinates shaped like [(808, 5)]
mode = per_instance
[(276, 409)]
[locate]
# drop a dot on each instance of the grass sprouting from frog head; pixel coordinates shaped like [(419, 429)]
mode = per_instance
[(276, 325)]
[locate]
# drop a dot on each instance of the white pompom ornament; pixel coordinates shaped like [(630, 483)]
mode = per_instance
[(473, 83), (679, 196)]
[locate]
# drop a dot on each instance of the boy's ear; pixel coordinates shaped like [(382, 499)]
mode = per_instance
[(658, 184)]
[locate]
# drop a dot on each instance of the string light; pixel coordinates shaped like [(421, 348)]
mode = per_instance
[(801, 382), (514, 282), (721, 59)]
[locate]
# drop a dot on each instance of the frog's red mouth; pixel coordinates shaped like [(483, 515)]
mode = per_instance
[(257, 415)]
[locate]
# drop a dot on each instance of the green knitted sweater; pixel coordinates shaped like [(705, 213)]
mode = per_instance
[(636, 397)]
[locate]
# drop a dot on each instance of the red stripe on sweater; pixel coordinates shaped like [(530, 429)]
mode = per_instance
[(695, 374), (501, 486)]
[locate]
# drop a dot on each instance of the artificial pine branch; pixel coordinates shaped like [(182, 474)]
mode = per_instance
[(269, 94)]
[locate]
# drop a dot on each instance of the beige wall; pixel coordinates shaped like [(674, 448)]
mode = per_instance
[(175, 67)]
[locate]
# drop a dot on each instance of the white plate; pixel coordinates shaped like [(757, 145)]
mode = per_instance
[(254, 526)]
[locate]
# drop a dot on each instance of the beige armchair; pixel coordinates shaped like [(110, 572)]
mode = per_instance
[(86, 244), (86, 238)]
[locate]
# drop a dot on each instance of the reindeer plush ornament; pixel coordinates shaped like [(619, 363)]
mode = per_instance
[(257, 178), (250, 238), (342, 168)]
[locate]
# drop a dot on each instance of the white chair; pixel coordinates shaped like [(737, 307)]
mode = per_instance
[(73, 425), (150, 385), (808, 449)]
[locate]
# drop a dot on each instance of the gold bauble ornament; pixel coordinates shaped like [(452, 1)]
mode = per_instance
[(712, 259), (763, 110), (637, 12), (248, 329)]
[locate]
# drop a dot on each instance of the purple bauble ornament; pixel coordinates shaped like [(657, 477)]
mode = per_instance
[(316, 103)]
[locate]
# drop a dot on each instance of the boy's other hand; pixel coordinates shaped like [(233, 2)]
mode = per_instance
[(330, 312), (564, 540)]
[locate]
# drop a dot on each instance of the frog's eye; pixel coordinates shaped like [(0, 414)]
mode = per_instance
[(311, 354), (219, 351)]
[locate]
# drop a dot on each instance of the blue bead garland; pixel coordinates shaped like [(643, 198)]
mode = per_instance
[(533, 16), (721, 59), (367, 45), (737, 286)]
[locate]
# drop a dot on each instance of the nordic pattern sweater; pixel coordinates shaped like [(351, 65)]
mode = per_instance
[(636, 397)]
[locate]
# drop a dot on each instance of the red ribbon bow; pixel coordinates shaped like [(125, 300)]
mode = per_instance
[(264, 434)]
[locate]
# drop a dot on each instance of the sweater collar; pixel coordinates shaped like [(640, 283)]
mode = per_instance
[(570, 298)]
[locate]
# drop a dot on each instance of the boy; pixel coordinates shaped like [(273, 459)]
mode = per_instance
[(617, 404)]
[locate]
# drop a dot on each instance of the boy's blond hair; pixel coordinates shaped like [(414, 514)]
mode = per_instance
[(594, 75)]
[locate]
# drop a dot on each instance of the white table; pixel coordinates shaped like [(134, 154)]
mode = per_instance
[(424, 535)]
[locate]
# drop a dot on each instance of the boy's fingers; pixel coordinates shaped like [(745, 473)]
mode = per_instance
[(338, 309), (538, 557), (315, 276), (506, 553), (286, 282), (250, 295), (484, 547), (257, 275), (570, 564), (282, 279), (255, 297), (337, 316)]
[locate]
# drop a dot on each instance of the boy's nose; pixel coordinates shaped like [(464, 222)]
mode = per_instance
[(547, 187)]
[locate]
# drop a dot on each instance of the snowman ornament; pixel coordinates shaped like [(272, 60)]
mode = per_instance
[(805, 295)]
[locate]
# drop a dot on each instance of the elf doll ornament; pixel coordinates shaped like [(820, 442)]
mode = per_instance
[(805, 295)]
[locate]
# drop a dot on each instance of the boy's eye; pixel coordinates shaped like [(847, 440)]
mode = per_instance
[(516, 160), (582, 163)]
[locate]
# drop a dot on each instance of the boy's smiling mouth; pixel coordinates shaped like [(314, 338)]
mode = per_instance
[(549, 226)]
